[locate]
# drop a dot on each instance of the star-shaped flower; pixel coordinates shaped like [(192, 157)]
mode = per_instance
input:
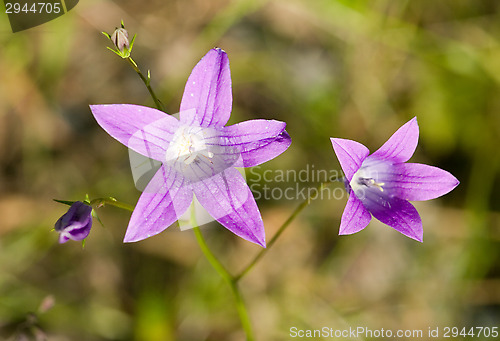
[(198, 154), (382, 183)]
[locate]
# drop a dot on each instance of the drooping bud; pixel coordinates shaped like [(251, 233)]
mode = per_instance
[(76, 223)]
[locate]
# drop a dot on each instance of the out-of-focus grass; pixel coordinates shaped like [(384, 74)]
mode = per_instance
[(351, 69)]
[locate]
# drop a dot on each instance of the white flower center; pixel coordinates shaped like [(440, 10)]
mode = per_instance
[(199, 152), (368, 178), (189, 145)]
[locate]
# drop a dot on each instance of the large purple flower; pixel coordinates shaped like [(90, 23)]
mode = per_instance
[(76, 223), (198, 154), (382, 183)]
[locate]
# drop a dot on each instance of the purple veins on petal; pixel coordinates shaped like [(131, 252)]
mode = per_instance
[(229, 200), (401, 145), (167, 196), (256, 141), (423, 182), (398, 214), (145, 130), (76, 223), (355, 217), (208, 90), (351, 155)]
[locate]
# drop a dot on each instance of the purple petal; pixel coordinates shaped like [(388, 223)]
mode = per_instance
[(77, 217), (208, 90), (228, 199), (350, 154), (422, 182), (76, 223), (79, 234), (62, 239), (145, 130), (256, 141), (401, 145), (355, 217), (397, 213), (166, 198)]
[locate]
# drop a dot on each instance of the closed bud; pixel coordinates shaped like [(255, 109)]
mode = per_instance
[(120, 39), (76, 223)]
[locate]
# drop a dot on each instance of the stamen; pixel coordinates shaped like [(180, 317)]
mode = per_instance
[(188, 146), (369, 182)]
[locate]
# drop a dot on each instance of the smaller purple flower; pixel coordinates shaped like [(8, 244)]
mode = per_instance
[(76, 223), (382, 183)]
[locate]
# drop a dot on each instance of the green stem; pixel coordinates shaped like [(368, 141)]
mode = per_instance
[(221, 270), (242, 311), (146, 81), (216, 264), (232, 281), (113, 202), (280, 231)]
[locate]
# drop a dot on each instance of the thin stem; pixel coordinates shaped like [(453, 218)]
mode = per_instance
[(221, 270), (113, 202), (242, 310), (280, 231), (146, 81), (216, 264)]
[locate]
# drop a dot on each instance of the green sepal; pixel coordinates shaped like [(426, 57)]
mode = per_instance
[(94, 215), (65, 202), (115, 51), (132, 44), (127, 50), (107, 35)]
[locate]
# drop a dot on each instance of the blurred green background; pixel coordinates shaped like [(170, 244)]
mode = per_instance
[(351, 69)]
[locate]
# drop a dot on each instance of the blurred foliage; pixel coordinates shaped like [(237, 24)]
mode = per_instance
[(355, 69)]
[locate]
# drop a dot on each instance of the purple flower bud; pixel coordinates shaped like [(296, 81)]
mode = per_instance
[(76, 223), (120, 39)]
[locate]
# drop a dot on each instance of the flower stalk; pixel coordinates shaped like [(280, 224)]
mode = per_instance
[(99, 202), (227, 277), (282, 229), (231, 280), (123, 48), (147, 82)]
